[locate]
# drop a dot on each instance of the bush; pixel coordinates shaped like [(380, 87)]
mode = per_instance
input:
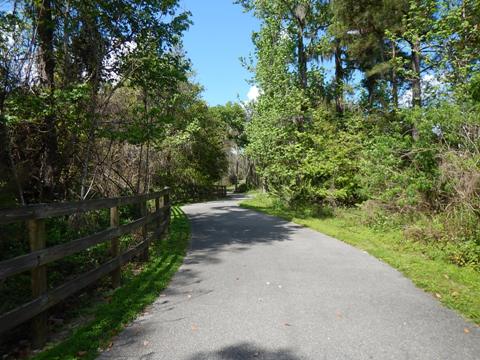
[(242, 188)]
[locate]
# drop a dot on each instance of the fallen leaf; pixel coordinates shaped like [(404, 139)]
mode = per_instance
[(438, 295), (446, 276), (81, 353), (455, 293), (194, 327), (466, 331)]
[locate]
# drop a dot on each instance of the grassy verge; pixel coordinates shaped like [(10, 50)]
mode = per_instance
[(129, 300), (456, 287)]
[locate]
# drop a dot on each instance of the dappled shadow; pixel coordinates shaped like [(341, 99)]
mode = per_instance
[(245, 351), (227, 227), (221, 227), (218, 228)]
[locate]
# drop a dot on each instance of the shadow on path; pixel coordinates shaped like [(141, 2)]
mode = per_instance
[(245, 351), (221, 227), (231, 228)]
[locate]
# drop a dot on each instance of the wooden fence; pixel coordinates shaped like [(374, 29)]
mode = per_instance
[(39, 256), (218, 191)]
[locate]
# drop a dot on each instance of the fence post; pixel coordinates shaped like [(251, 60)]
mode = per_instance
[(143, 206), (166, 205), (115, 246), (37, 240)]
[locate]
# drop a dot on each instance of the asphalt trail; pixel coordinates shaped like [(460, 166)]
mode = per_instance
[(257, 287)]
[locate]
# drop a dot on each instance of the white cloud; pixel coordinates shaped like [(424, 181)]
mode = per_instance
[(253, 93), (431, 86), (405, 100)]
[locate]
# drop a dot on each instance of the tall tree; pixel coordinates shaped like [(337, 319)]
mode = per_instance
[(83, 55), (299, 23), (361, 27), (234, 117)]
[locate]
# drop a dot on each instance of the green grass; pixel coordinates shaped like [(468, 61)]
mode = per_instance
[(456, 287), (129, 300)]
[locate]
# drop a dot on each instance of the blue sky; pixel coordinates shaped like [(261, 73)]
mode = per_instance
[(220, 35)]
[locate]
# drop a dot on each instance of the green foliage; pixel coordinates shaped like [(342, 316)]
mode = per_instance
[(193, 146), (61, 66), (407, 172), (242, 188), (233, 116), (475, 88), (316, 165), (313, 146)]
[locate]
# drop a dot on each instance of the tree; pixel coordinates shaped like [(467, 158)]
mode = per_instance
[(361, 27), (233, 116), (85, 52), (457, 39)]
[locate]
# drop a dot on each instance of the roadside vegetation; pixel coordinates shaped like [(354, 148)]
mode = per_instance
[(123, 305), (97, 100), (367, 128)]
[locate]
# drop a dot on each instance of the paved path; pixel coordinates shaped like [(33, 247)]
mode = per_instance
[(256, 287)]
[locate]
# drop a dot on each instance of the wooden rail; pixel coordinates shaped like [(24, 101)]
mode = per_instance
[(217, 191), (221, 191), (39, 256)]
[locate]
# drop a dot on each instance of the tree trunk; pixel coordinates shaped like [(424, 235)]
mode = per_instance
[(339, 75), (302, 60), (300, 13), (90, 139), (370, 85), (236, 173), (416, 82), (139, 173), (94, 70), (45, 29), (394, 78), (146, 187)]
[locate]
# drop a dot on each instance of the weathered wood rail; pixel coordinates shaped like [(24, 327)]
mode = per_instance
[(218, 191), (36, 261)]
